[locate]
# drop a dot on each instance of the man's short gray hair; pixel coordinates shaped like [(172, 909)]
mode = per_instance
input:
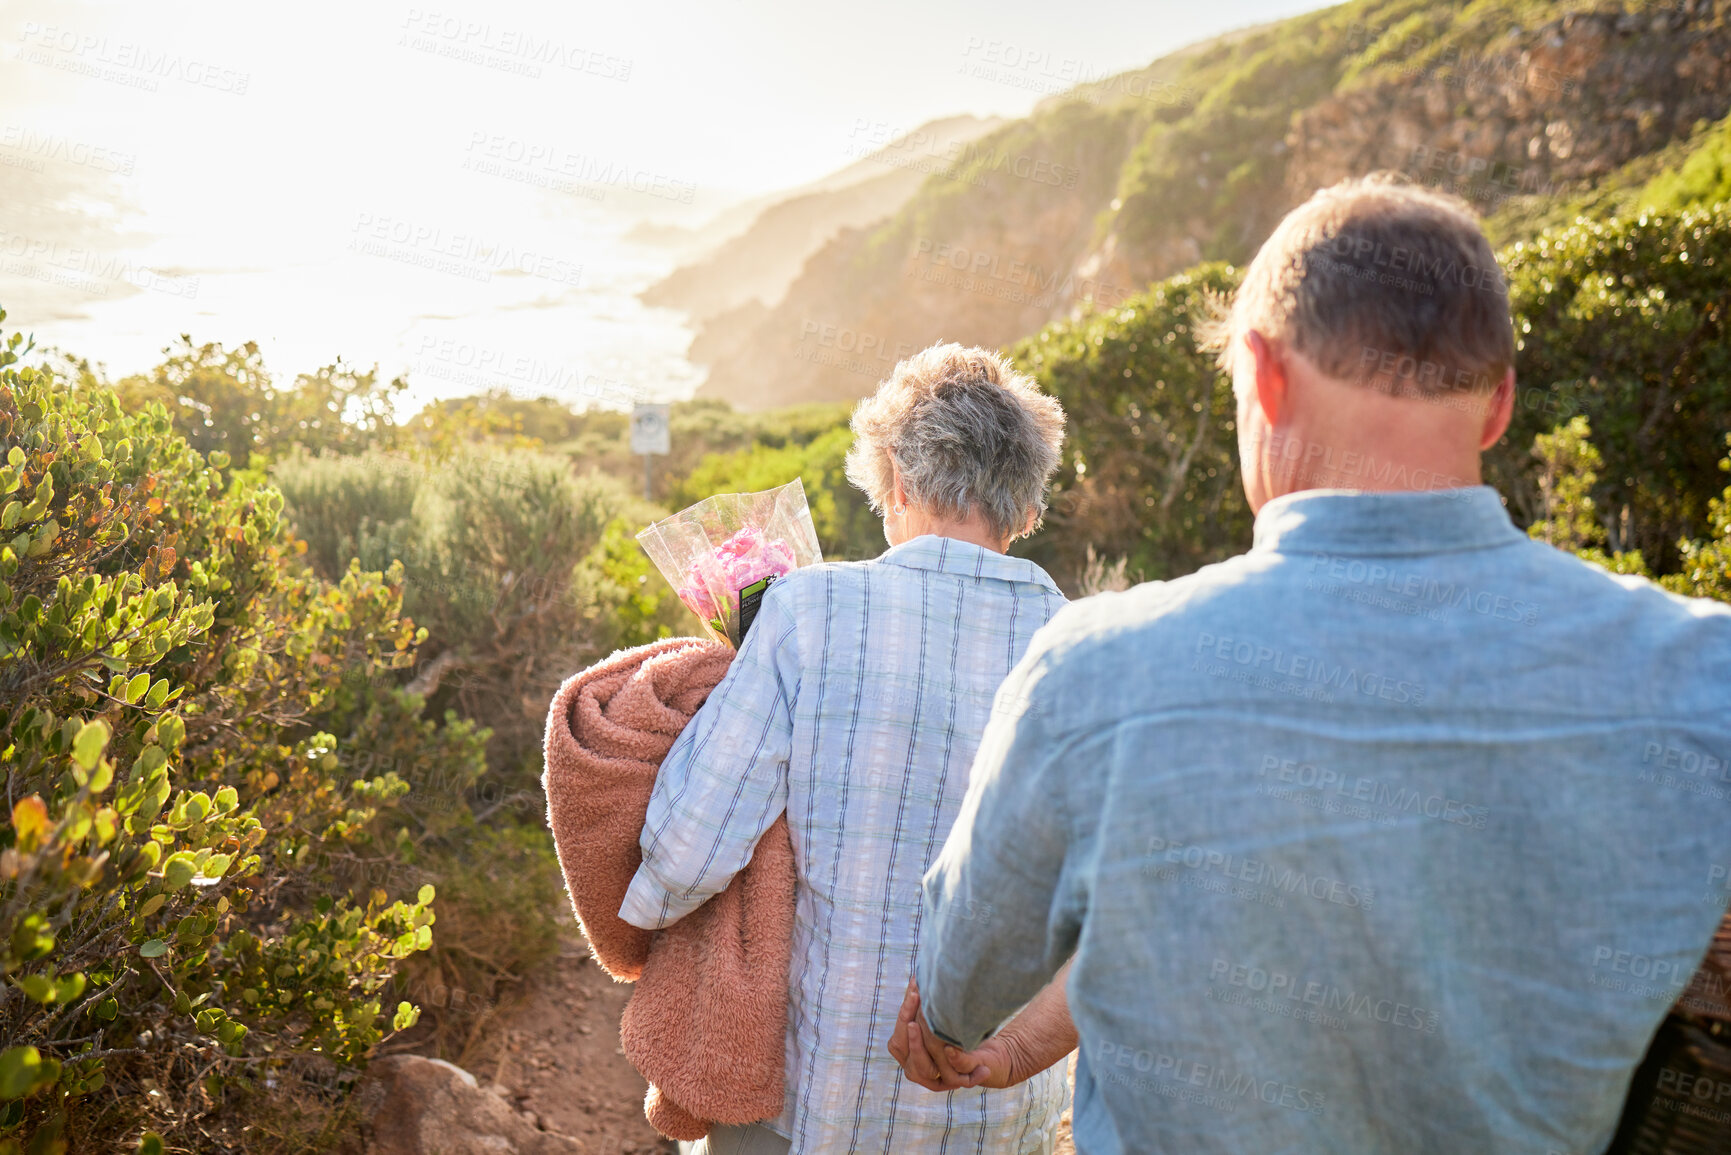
[(969, 434)]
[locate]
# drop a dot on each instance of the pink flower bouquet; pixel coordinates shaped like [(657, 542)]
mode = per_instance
[(723, 553)]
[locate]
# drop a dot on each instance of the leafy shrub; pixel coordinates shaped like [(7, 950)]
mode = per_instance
[(698, 429), (1624, 322), (1150, 469), (1620, 322), (1702, 179), (846, 526), (175, 910), (338, 500), (1570, 469), (239, 409), (498, 552)]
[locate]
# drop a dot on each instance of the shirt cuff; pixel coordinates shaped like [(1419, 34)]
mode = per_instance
[(926, 973), (956, 1043), (648, 905)]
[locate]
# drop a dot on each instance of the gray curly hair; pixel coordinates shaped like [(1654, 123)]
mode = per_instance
[(967, 432)]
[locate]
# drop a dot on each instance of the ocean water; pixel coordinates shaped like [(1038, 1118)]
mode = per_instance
[(503, 277)]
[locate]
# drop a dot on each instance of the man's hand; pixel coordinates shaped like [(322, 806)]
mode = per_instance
[(1038, 1037), (937, 1066)]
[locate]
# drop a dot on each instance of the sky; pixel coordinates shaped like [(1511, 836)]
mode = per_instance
[(203, 166)]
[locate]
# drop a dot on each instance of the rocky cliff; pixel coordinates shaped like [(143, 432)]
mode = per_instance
[(1122, 182), (758, 264)]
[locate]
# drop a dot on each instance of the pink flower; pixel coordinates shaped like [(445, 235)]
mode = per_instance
[(713, 582)]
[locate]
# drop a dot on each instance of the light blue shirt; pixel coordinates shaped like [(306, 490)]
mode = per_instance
[(855, 704), (1397, 834)]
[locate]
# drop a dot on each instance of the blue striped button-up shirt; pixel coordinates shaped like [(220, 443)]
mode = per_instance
[(856, 705)]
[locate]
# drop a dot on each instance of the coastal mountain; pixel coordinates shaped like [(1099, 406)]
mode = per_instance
[(1520, 107), (759, 260)]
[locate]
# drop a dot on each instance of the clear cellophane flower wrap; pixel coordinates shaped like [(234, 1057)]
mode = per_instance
[(723, 553)]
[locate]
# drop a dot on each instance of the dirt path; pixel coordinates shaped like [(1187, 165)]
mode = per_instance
[(555, 1052)]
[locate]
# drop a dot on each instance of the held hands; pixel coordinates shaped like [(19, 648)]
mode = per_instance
[(937, 1066)]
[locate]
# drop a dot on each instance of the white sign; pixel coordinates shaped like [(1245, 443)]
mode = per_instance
[(649, 430)]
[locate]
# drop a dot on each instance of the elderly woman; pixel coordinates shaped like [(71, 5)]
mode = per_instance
[(855, 705)]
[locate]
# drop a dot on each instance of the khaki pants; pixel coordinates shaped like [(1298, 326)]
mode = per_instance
[(755, 1139)]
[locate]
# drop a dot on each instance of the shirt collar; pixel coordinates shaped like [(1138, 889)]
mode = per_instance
[(947, 555), (1408, 522)]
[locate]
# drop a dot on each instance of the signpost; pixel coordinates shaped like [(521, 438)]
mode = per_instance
[(650, 435)]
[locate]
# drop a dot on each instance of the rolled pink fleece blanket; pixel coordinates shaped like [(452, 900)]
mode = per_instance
[(706, 1025)]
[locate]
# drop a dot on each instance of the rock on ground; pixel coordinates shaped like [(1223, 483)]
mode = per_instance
[(421, 1106)]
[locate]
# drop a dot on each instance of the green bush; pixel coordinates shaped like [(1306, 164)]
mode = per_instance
[(698, 429), (1624, 322), (846, 527), (1702, 179), (504, 563), (234, 406), (178, 696), (1569, 473), (519, 573), (1621, 322), (1150, 468), (340, 500)]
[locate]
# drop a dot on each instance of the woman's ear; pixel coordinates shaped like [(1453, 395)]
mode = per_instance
[(1028, 526)]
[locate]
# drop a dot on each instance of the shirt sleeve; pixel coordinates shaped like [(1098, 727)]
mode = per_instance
[(724, 781), (1001, 905)]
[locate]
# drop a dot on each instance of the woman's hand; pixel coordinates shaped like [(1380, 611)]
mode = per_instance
[(937, 1066), (1038, 1037)]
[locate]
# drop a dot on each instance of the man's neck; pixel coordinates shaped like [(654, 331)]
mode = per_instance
[(1351, 436)]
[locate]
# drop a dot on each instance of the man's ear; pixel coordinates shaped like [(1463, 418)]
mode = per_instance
[(1271, 379), (1500, 412)]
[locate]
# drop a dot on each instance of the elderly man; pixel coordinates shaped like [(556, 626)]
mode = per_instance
[(1377, 838)]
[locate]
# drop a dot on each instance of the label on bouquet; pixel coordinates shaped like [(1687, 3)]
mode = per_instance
[(749, 599)]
